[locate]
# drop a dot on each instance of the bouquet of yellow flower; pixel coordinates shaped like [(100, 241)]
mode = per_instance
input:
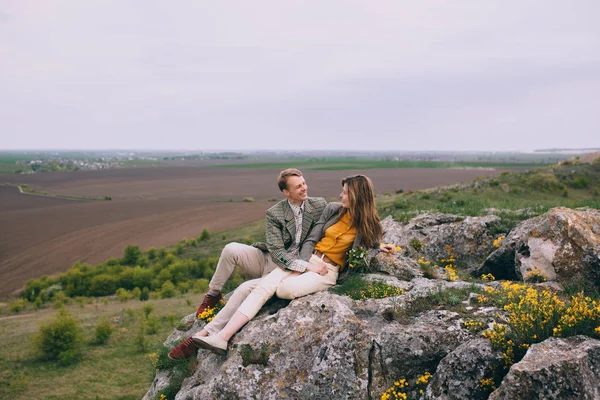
[(210, 313), (357, 260)]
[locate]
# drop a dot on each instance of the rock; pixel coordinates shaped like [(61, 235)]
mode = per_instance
[(160, 382), (469, 239), (324, 346), (563, 244), (565, 369), (458, 374), (401, 267)]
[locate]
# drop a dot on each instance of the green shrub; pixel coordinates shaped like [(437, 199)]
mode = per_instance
[(173, 319), (103, 331), (145, 294), (140, 337), (580, 182), (103, 285), (249, 200), (152, 325), (205, 235), (416, 244), (123, 295), (132, 254), (147, 310), (183, 287), (60, 339), (400, 204), (167, 290), (17, 306), (136, 293), (201, 285), (544, 182)]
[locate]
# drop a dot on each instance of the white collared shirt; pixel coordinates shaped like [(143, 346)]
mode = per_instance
[(298, 264)]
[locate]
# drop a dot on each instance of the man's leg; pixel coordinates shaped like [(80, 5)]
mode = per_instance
[(252, 261), (188, 348), (245, 312), (307, 283), (237, 298)]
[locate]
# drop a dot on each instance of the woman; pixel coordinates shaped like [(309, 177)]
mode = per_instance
[(352, 222)]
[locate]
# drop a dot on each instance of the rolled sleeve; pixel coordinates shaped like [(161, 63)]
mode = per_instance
[(298, 265)]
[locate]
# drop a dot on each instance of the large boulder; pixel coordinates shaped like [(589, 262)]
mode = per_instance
[(458, 375), (396, 265), (328, 346), (469, 239), (561, 369), (563, 244)]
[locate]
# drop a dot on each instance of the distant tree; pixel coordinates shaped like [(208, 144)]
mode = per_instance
[(132, 255), (205, 235), (103, 285)]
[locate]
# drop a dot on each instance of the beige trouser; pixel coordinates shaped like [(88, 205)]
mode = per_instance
[(253, 261), (251, 295)]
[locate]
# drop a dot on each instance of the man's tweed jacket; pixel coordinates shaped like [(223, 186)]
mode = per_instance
[(281, 228)]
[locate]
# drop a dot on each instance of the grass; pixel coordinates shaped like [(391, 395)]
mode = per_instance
[(355, 287), (531, 190), (450, 299), (116, 370), (8, 161), (248, 234), (27, 190)]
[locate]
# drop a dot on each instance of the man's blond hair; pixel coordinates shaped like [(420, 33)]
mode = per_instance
[(284, 175)]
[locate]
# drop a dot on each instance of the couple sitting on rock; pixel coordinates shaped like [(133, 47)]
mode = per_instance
[(307, 245)]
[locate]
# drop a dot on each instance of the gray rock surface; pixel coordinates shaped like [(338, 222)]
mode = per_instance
[(470, 238), (459, 373), (564, 244), (556, 369)]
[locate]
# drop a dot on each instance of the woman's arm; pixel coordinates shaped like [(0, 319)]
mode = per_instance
[(317, 232)]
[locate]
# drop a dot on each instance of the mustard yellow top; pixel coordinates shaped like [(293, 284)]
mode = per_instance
[(338, 240)]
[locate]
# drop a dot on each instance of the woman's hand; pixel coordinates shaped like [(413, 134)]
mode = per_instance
[(387, 248), (320, 269)]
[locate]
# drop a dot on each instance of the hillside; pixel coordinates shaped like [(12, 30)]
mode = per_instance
[(175, 278)]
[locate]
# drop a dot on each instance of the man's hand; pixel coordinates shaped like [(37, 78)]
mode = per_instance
[(387, 248), (320, 269)]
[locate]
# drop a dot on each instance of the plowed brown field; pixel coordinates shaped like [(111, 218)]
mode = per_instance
[(152, 207)]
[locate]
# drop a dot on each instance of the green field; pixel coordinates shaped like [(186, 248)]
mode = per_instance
[(119, 369), (349, 163)]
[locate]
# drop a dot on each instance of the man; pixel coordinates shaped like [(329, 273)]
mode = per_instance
[(288, 224)]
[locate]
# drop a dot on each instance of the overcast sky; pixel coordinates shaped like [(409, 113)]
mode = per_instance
[(369, 75)]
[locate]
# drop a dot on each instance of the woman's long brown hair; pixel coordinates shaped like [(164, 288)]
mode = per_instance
[(363, 214)]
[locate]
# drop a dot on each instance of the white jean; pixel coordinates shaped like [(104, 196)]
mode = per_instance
[(251, 295)]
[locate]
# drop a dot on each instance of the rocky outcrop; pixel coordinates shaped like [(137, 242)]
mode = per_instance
[(563, 244), (458, 375), (436, 235), (329, 346), (566, 369), (325, 346)]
